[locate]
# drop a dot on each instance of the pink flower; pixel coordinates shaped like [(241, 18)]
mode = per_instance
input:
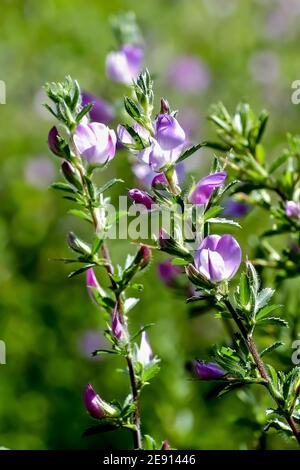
[(95, 142)]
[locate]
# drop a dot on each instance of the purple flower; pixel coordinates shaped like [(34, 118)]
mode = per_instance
[(53, 141), (93, 286), (159, 180), (235, 208), (168, 272), (218, 257), (292, 209), (208, 370), (189, 74), (102, 111), (206, 186), (96, 142), (144, 353), (165, 445), (144, 256), (125, 64), (141, 197), (116, 325), (157, 158), (97, 407), (168, 132)]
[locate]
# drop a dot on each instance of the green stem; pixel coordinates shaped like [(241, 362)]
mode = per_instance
[(252, 348)]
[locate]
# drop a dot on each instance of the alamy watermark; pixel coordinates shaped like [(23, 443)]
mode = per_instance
[(2, 92), (296, 353), (2, 352), (141, 223)]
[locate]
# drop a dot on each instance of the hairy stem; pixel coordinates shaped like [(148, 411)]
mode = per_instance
[(261, 367)]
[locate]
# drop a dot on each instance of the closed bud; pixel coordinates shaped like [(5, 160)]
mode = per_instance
[(165, 445), (71, 175), (208, 370), (141, 197), (159, 182), (144, 353), (164, 106), (171, 246), (197, 278), (143, 256), (53, 142), (97, 407), (77, 245), (94, 289), (116, 325)]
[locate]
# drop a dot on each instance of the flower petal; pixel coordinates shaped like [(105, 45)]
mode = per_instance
[(231, 252)]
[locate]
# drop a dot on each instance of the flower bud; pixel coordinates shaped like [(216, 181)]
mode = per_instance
[(77, 245), (208, 370), (97, 407), (144, 353), (71, 175), (165, 445), (164, 106), (116, 325), (93, 287), (141, 197), (169, 134), (171, 246), (53, 142), (159, 181), (143, 256)]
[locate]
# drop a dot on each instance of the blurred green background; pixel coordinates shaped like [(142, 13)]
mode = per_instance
[(248, 50)]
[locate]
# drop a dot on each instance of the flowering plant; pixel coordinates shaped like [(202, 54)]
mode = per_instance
[(207, 260)]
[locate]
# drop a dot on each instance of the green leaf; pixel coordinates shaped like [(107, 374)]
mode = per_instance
[(188, 152), (81, 214), (266, 311), (150, 371), (263, 298), (80, 270), (63, 187), (212, 212), (179, 262), (263, 119), (271, 348), (278, 162), (149, 443), (279, 426), (244, 290), (130, 303), (84, 111), (273, 321), (131, 108), (98, 352), (217, 220), (109, 184)]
